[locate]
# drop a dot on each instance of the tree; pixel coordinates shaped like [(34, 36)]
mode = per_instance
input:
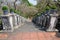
[(41, 6), (28, 11)]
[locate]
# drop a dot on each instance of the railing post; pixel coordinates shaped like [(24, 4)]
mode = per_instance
[(53, 22), (7, 21)]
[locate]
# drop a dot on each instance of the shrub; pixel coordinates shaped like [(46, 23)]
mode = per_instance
[(4, 8), (11, 9), (15, 11), (47, 7), (53, 7)]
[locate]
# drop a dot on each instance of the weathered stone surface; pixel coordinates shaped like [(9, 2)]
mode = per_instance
[(11, 22)]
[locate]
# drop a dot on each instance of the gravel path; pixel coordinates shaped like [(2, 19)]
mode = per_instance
[(27, 27)]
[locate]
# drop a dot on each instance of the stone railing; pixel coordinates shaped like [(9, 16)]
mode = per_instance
[(47, 22), (53, 22), (11, 22)]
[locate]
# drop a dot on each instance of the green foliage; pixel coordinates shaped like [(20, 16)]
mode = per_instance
[(58, 0), (25, 15), (11, 9), (4, 8), (17, 12), (24, 0), (0, 13), (27, 2), (47, 7), (53, 7)]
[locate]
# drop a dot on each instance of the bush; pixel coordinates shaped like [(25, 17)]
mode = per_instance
[(15, 11), (47, 7), (11, 9), (53, 7), (4, 8)]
